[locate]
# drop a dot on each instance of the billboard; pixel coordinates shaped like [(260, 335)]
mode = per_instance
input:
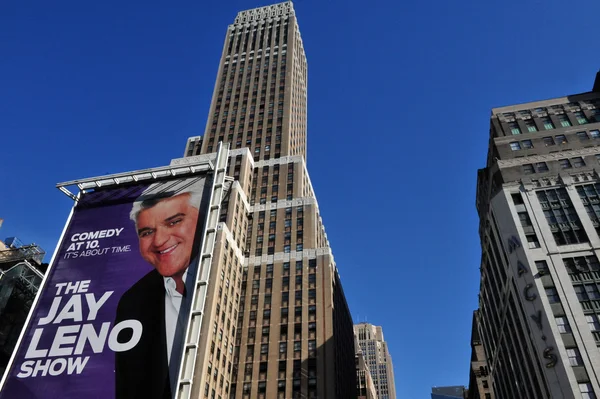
[(111, 318)]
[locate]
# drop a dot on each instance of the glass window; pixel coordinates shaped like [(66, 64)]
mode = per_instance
[(580, 292), (531, 127), (561, 139), (526, 144), (587, 392), (593, 323), (563, 325), (552, 295), (578, 162), (564, 120), (541, 167), (514, 128), (574, 357), (548, 141), (581, 118), (564, 163), (592, 291), (582, 136), (547, 122), (528, 169), (595, 134), (515, 146)]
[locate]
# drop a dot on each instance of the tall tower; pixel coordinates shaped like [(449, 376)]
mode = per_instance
[(538, 200), (276, 321), (259, 100), (378, 358)]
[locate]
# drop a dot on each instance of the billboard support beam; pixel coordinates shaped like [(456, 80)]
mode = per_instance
[(187, 368), (134, 176)]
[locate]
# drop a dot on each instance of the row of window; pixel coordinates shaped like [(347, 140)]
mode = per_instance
[(559, 139), (565, 163), (548, 124)]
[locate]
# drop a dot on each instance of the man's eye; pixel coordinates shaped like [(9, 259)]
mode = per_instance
[(145, 233), (176, 221)]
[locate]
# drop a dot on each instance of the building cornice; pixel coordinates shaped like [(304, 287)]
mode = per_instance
[(555, 156), (280, 10), (285, 257)]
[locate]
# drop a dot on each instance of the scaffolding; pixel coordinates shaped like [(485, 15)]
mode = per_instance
[(13, 255)]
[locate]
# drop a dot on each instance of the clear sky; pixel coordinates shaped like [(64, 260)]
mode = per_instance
[(399, 100)]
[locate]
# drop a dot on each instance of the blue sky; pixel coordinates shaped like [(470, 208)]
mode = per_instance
[(399, 100)]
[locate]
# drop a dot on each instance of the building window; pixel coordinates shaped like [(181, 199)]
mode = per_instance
[(547, 122), (515, 146), (530, 125), (593, 323), (587, 392), (582, 136), (578, 162), (552, 295), (541, 167), (542, 267), (574, 357), (590, 197), (564, 120), (564, 163), (528, 169), (548, 141), (581, 118), (514, 128), (562, 217), (592, 292), (595, 134), (563, 325), (560, 139), (526, 144), (580, 292)]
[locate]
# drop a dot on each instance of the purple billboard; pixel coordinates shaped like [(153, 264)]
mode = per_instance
[(111, 317)]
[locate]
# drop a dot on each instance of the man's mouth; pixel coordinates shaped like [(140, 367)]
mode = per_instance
[(168, 250)]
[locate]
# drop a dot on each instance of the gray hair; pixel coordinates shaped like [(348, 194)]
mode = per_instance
[(161, 191)]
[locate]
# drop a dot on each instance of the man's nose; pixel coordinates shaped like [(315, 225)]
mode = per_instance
[(160, 237)]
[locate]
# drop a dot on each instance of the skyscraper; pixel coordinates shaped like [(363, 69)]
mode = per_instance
[(276, 322), (364, 382), (378, 358), (538, 200)]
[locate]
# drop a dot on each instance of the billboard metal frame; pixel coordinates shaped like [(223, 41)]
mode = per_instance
[(192, 334), (194, 327)]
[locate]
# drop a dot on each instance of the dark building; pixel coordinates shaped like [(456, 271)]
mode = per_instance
[(453, 392), (479, 385), (21, 272), (538, 200)]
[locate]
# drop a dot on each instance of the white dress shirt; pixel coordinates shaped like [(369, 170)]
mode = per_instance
[(172, 305)]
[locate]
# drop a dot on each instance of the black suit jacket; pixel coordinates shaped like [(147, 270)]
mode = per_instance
[(143, 371)]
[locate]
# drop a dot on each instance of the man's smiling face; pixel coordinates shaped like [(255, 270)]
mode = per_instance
[(166, 232)]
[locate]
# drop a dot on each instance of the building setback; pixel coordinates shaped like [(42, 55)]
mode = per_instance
[(378, 358), (276, 322), (538, 200)]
